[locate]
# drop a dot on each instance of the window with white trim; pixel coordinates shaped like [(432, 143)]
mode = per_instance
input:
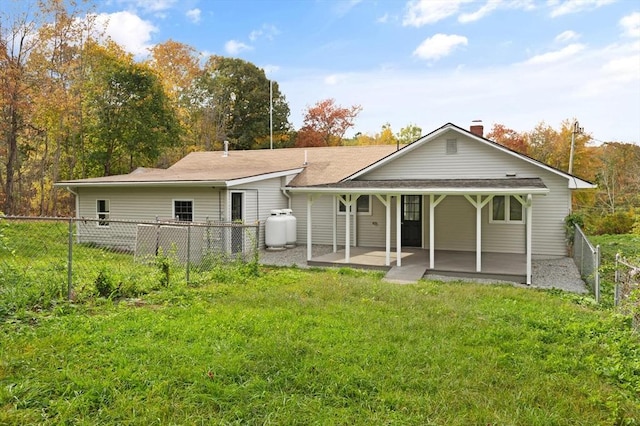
[(183, 210), (102, 211), (362, 206), (506, 209)]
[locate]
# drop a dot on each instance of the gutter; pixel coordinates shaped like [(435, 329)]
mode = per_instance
[(419, 191)]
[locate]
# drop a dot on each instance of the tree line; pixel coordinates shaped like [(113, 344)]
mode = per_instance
[(74, 104)]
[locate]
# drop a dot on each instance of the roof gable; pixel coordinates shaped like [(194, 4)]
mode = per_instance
[(573, 181)]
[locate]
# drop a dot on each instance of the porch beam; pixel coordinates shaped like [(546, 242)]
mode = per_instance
[(386, 202), (398, 231), (529, 206), (433, 203)]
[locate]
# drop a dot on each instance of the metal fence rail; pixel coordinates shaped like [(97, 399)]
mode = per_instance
[(587, 259), (188, 245), (627, 290)]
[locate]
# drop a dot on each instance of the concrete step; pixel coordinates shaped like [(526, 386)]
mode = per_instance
[(408, 274)]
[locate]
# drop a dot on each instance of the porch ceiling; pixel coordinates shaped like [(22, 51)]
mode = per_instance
[(435, 186)]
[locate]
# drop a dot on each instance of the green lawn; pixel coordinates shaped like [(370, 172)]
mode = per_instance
[(322, 347)]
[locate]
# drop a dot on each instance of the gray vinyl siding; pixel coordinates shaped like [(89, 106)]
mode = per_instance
[(260, 198), (147, 204)]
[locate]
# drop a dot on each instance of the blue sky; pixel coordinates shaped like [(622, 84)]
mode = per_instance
[(424, 62)]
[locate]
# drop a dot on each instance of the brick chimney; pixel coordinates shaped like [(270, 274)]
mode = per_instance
[(477, 128)]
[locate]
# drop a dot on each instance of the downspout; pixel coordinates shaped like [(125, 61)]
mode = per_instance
[(284, 192)]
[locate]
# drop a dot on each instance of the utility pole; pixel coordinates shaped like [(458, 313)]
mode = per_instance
[(270, 114), (577, 130)]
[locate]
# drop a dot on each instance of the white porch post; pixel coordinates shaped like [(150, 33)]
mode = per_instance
[(529, 206), (354, 201), (433, 203), (347, 227), (387, 204), (478, 204), (478, 234), (398, 231), (309, 204), (335, 223)]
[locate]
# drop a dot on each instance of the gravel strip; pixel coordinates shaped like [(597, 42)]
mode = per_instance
[(559, 273)]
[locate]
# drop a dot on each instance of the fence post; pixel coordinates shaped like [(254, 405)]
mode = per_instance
[(616, 293), (188, 249), (70, 261), (596, 273)]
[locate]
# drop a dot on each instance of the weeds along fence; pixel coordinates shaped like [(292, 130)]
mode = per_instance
[(627, 289), (70, 247), (587, 259)]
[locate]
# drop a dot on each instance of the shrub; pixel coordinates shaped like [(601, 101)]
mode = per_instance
[(570, 223), (613, 223), (104, 285)]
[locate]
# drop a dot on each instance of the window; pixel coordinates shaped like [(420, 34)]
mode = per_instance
[(363, 205), (183, 210), (506, 209), (102, 209)]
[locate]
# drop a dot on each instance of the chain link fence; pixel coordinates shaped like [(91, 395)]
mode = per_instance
[(66, 255), (587, 259), (627, 289)]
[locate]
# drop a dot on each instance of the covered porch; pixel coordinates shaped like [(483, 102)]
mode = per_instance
[(504, 263), (416, 262)]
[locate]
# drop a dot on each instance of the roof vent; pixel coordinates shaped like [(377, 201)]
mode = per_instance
[(226, 149), (452, 146)]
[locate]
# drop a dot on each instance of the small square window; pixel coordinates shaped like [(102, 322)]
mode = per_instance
[(183, 210), (363, 205), (102, 210), (506, 209)]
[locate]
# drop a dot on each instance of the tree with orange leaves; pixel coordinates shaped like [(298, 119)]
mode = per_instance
[(325, 124)]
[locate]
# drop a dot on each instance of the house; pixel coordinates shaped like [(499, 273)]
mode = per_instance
[(452, 190)]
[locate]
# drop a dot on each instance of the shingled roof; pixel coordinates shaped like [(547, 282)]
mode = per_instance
[(323, 165)]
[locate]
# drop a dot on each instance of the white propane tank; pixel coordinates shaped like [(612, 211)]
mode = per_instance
[(291, 223), (275, 231)]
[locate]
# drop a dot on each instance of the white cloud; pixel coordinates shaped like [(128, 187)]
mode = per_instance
[(574, 6), (128, 30), (490, 6), (336, 79), (582, 86), (343, 7), (383, 19), (566, 36), (266, 31), (152, 6), (194, 15), (422, 12), (631, 25), (233, 47), (438, 46), (557, 55)]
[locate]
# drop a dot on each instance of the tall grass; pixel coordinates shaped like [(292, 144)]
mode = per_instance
[(322, 347)]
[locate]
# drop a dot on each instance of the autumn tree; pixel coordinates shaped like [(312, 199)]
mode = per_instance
[(325, 124), (39, 42), (408, 134), (618, 177), (509, 138), (177, 66)]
